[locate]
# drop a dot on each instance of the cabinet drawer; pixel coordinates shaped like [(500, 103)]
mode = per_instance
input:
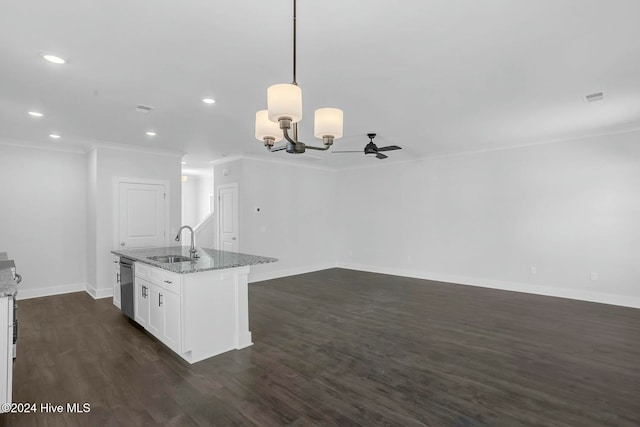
[(167, 280)]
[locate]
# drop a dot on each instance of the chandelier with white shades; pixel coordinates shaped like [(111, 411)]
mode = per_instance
[(284, 111)]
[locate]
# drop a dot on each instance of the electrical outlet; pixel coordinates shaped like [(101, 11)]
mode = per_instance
[(534, 270), (594, 275)]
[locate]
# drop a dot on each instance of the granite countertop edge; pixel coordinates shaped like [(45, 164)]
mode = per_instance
[(8, 285), (209, 259)]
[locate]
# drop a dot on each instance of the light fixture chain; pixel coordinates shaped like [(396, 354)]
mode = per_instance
[(294, 42)]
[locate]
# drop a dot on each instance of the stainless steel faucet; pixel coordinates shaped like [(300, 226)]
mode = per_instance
[(193, 253)]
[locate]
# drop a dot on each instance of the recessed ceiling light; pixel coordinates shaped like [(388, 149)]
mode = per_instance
[(35, 114), (53, 58), (144, 108), (208, 100), (594, 97), (151, 133), (54, 135), (184, 163)]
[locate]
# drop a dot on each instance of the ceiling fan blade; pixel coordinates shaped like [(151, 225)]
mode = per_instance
[(359, 151), (381, 156), (389, 148)]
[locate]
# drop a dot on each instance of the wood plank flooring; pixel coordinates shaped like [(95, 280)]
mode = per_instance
[(340, 347)]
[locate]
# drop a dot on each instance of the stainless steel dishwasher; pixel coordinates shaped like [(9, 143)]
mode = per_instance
[(126, 286)]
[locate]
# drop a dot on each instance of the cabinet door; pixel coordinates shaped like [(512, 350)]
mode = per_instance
[(156, 311), (142, 298), (116, 283), (6, 349), (172, 327)]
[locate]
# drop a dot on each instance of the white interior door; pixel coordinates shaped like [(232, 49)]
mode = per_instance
[(141, 215), (228, 218)]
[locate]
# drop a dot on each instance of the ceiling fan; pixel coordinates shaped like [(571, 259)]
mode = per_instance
[(372, 149)]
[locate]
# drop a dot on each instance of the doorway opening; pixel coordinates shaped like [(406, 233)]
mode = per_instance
[(198, 206)]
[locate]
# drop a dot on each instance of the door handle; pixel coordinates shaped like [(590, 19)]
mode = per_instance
[(159, 300), (168, 282), (233, 238), (117, 277), (121, 243)]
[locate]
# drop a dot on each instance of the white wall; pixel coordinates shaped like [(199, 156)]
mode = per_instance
[(196, 205), (567, 208), (43, 218), (92, 216), (203, 193), (295, 222), (189, 201), (112, 163)]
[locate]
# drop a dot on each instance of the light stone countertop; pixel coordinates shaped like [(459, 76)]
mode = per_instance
[(8, 285), (210, 259)]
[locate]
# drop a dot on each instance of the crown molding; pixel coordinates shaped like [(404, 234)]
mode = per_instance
[(54, 146), (535, 144), (496, 149), (135, 148), (226, 159), (268, 159), (85, 147)]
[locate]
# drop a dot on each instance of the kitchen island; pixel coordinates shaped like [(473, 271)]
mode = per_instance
[(198, 307)]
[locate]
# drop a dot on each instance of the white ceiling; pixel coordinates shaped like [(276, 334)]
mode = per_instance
[(436, 77)]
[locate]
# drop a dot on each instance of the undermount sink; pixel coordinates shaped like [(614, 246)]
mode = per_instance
[(170, 259)]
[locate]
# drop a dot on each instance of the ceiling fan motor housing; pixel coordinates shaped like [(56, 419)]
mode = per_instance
[(370, 149)]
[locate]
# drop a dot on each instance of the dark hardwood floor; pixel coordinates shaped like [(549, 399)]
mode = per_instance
[(341, 347)]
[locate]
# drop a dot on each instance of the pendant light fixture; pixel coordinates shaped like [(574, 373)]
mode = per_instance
[(284, 111)]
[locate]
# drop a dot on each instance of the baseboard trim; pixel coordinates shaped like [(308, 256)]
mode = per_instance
[(576, 294), (244, 340), (51, 290), (277, 274), (98, 293)]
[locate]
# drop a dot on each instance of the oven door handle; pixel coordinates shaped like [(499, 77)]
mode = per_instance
[(18, 279)]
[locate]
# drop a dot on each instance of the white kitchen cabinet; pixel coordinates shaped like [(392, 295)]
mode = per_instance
[(6, 349), (171, 321), (116, 281), (141, 300), (158, 304), (156, 315)]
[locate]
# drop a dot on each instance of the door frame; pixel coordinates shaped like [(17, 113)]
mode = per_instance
[(217, 212), (117, 180)]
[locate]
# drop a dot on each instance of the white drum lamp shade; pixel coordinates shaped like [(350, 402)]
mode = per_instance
[(284, 100), (265, 128), (328, 122)]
